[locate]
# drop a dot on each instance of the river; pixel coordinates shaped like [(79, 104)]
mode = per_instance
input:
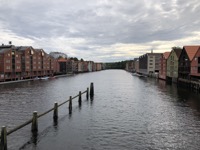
[(127, 113)]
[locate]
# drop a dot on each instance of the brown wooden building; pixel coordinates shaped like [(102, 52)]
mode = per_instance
[(187, 56)]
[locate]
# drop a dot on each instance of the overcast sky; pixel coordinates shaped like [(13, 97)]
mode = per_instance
[(100, 30)]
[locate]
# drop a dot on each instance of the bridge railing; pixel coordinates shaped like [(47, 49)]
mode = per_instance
[(34, 120)]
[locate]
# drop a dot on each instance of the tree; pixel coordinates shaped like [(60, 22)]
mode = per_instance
[(74, 58), (176, 47)]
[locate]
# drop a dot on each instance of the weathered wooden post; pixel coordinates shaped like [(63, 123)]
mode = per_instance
[(3, 143), (34, 127), (55, 113), (70, 105), (91, 90), (79, 98), (87, 94)]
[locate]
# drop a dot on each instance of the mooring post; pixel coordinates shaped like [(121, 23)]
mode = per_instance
[(70, 105), (55, 113), (3, 143), (87, 94), (34, 127), (79, 98), (91, 90)]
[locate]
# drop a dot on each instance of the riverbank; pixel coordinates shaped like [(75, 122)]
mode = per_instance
[(25, 80)]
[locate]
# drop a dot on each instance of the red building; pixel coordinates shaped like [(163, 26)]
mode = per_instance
[(10, 63), (163, 65), (195, 65), (188, 61)]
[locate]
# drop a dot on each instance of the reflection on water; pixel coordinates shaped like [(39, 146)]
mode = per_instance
[(127, 112)]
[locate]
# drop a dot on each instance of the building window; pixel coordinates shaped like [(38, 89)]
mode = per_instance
[(199, 60), (9, 54), (198, 69), (7, 61), (7, 67), (150, 63)]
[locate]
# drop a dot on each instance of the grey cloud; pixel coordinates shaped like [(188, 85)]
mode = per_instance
[(102, 23)]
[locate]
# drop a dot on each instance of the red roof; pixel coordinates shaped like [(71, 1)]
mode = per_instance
[(62, 60), (191, 51), (166, 55)]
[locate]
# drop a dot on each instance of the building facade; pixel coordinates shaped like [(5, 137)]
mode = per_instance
[(163, 65), (172, 65), (187, 55)]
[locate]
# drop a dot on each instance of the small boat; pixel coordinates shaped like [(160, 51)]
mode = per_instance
[(52, 77), (138, 75), (36, 78), (44, 78)]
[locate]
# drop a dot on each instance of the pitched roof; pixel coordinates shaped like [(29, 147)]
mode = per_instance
[(62, 60), (191, 51), (166, 55), (23, 48), (3, 50), (178, 52)]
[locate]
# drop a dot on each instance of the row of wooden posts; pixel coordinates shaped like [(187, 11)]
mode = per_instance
[(34, 119)]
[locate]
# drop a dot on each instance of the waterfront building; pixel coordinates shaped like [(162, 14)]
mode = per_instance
[(80, 66), (10, 63), (94, 67), (149, 64), (98, 66), (62, 65), (74, 66), (163, 65), (69, 66), (28, 61), (185, 62), (136, 69), (172, 65), (90, 64), (85, 66), (53, 66), (195, 66), (130, 65)]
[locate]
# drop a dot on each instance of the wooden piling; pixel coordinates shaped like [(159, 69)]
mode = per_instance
[(3, 143), (87, 94), (91, 90), (70, 105), (79, 98), (34, 127), (55, 113)]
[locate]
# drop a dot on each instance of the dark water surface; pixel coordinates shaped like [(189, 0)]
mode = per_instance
[(127, 113)]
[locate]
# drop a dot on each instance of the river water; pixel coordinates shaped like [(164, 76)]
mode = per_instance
[(127, 113)]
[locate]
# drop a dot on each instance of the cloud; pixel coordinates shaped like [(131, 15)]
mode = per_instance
[(103, 30)]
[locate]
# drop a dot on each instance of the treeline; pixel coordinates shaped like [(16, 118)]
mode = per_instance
[(116, 65)]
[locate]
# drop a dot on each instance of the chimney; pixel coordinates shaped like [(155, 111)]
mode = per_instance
[(10, 42)]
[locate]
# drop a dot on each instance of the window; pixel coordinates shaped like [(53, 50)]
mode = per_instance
[(199, 60), (150, 63), (7, 61), (198, 69), (9, 54), (7, 67), (16, 55)]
